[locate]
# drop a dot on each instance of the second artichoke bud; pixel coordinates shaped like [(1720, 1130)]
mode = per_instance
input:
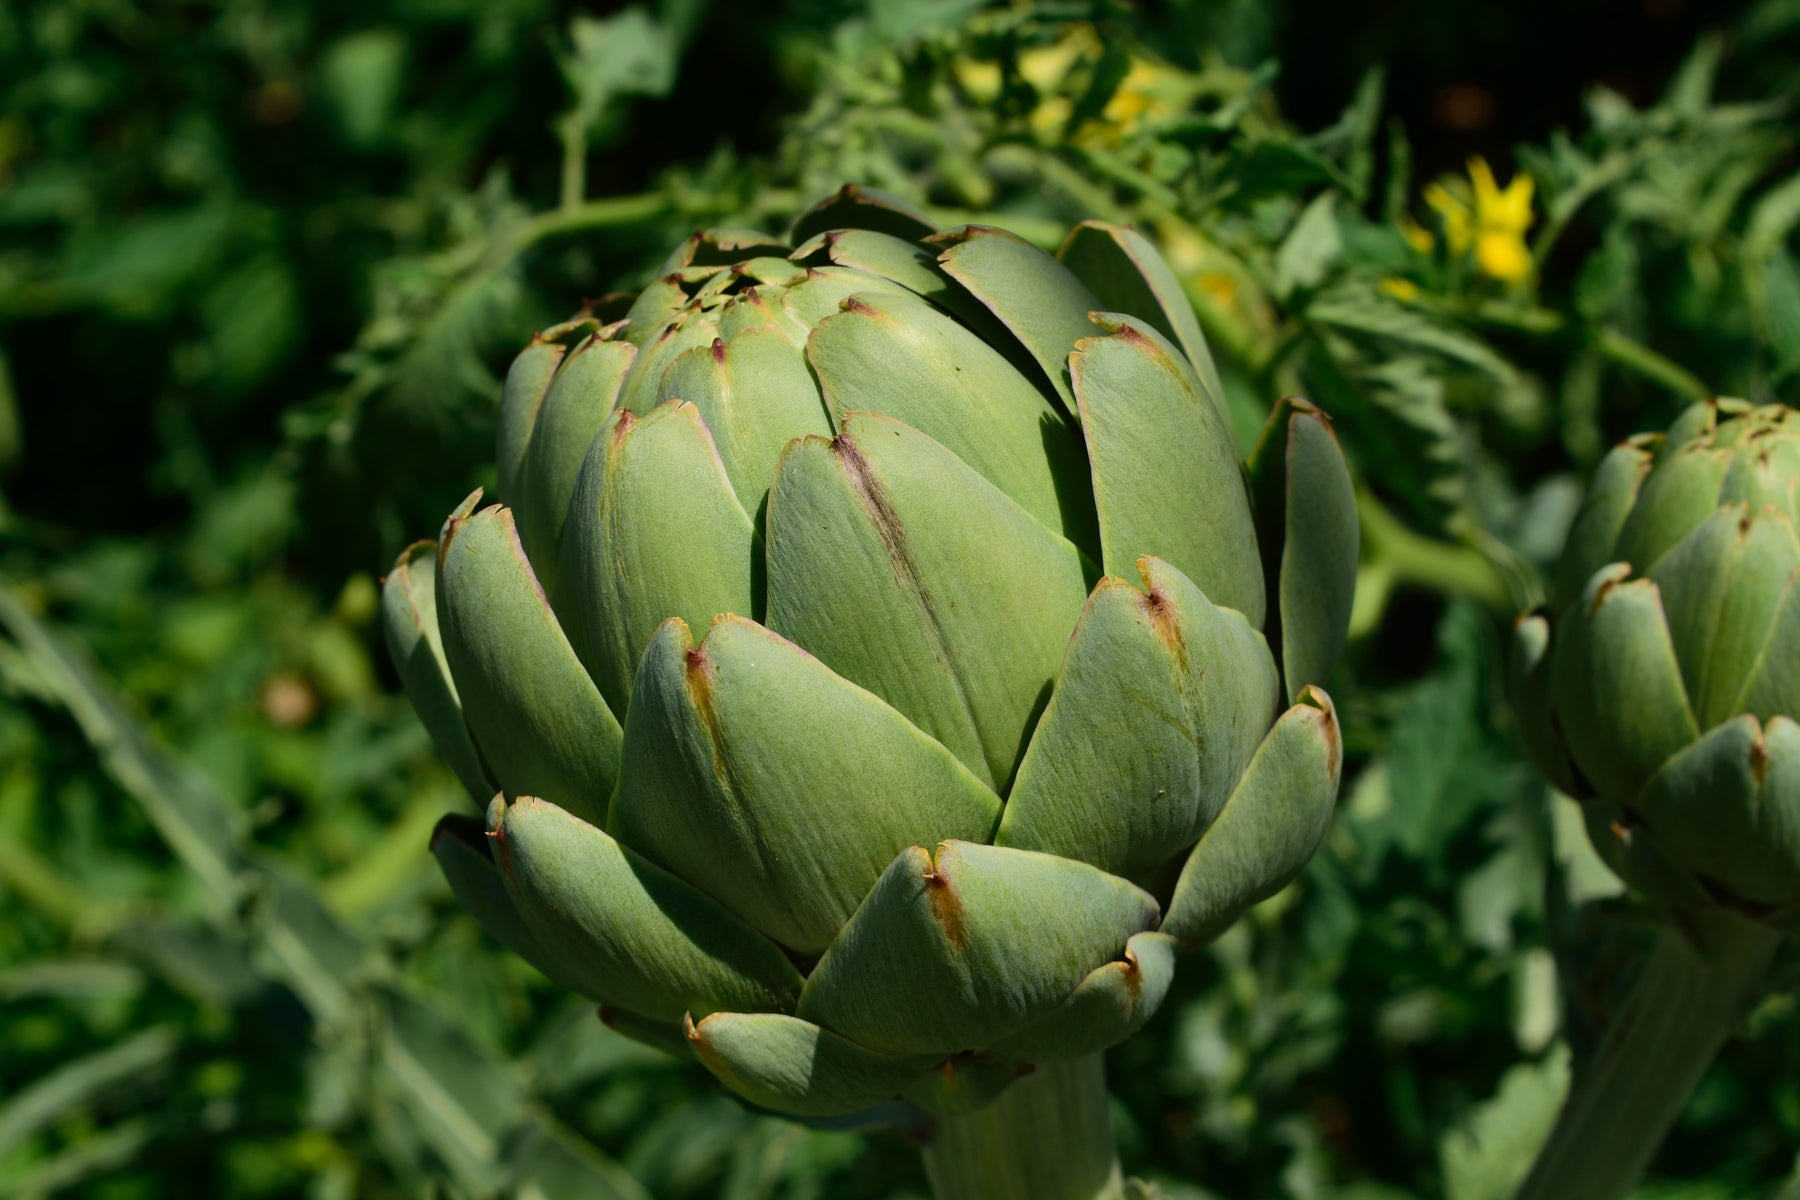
[(1662, 684), (882, 658)]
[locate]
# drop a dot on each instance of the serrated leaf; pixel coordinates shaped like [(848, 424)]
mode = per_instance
[(76, 1086), (1486, 1155), (1358, 311), (1311, 248)]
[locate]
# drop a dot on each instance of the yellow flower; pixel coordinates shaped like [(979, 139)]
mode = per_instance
[(1144, 94), (1051, 117), (1493, 225), (1403, 290), (1501, 219), (980, 80), (1220, 286), (1045, 67), (1497, 210), (1503, 256), (1416, 235)]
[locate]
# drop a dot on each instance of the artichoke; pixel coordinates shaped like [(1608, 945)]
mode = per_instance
[(1661, 685), (882, 658)]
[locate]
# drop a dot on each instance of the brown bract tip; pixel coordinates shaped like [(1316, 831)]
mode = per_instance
[(1600, 594), (1759, 759), (501, 847), (1134, 977), (718, 351), (700, 689), (1166, 622), (946, 907), (856, 304)]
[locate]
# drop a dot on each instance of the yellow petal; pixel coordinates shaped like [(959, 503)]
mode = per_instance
[(1513, 209), (1403, 290), (1507, 210), (1045, 67), (980, 80), (1220, 286), (1416, 235), (1482, 176), (1502, 255), (1049, 119)]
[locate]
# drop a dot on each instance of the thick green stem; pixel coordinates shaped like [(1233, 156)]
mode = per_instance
[(1048, 1137), (1655, 1050)]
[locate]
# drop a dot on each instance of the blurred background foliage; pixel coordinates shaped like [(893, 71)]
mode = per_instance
[(259, 263)]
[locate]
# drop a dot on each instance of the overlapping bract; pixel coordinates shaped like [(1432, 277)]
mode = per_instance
[(869, 655), (1662, 684)]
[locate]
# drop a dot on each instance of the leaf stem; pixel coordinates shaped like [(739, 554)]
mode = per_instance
[(1671, 1027), (1608, 343), (1048, 1137), (1394, 555)]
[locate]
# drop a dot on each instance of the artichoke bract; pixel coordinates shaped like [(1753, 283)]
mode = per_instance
[(883, 660), (1661, 685)]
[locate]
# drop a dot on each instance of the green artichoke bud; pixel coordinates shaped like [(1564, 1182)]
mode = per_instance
[(883, 660), (1662, 683)]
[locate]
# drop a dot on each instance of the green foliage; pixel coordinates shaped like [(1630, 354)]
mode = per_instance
[(258, 265)]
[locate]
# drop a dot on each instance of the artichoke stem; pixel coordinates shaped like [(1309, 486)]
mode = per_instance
[(1655, 1049), (1048, 1137)]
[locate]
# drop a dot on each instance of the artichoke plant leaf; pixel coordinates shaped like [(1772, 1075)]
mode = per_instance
[(916, 268), (776, 786), (409, 621), (1617, 682), (755, 394), (1679, 494), (521, 398), (667, 1036), (655, 531), (460, 845), (1772, 684), (1160, 704), (1127, 274), (1308, 533), (912, 576), (722, 246), (1268, 828), (1723, 587), (1110, 1005), (954, 951), (536, 716), (1167, 480), (854, 206), (793, 1066), (625, 932), (1589, 546), (965, 1083), (687, 330), (1039, 299), (1726, 809), (577, 404), (900, 356), (1528, 676)]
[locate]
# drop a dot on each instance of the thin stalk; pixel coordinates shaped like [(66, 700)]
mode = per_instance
[(574, 162), (1048, 1137), (1608, 343), (1671, 1027), (1394, 555)]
